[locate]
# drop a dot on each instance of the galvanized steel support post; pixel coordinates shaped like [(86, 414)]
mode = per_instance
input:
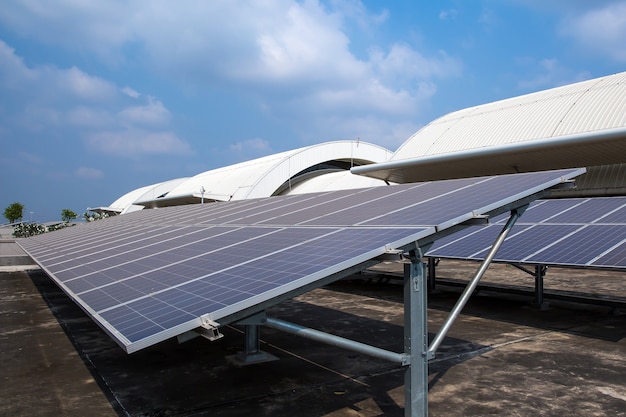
[(252, 339), (252, 352), (540, 272), (415, 337), (432, 274)]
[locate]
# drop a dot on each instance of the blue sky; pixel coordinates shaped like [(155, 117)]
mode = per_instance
[(100, 98)]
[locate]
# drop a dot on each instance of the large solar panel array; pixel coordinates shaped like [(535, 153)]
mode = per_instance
[(574, 232), (151, 275)]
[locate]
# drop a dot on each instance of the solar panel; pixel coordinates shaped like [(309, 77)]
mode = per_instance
[(615, 256), (575, 232), (154, 274)]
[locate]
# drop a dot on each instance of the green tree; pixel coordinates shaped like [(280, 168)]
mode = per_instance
[(67, 215), (14, 212)]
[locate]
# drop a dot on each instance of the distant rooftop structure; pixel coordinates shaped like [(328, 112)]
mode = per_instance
[(576, 125), (586, 106), (125, 204), (581, 124), (276, 174)]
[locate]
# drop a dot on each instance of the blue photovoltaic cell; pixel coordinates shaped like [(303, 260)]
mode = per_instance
[(236, 285), (150, 275), (544, 210), (448, 203), (190, 244), (616, 257), (521, 244), (581, 232), (581, 248), (381, 210), (589, 211), (472, 245), (617, 216)]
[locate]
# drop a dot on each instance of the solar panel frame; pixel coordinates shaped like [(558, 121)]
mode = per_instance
[(573, 232), (582, 247), (471, 244), (612, 257), (222, 260)]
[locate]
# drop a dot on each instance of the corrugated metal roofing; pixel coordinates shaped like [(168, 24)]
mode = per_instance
[(582, 124), (603, 180), (600, 147), (576, 108)]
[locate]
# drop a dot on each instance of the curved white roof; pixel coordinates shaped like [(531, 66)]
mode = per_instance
[(128, 198), (576, 108), (124, 204), (333, 181), (582, 124), (155, 191), (269, 175)]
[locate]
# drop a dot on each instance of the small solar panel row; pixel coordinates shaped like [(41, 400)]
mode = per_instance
[(579, 232), (150, 275)]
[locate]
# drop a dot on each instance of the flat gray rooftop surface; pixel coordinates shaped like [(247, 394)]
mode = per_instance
[(13, 258), (502, 357)]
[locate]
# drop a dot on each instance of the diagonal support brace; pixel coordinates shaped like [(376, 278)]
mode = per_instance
[(467, 293)]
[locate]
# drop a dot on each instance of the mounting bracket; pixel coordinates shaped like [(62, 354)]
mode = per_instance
[(209, 329)]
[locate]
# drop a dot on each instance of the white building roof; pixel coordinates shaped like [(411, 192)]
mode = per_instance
[(582, 124), (576, 108), (125, 203), (333, 181), (269, 175)]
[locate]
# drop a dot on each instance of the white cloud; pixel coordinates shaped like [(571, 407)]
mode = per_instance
[(89, 173), (548, 73), (488, 19), (304, 42), (89, 117), (602, 30), (29, 158), (152, 114), (597, 26), (69, 105), (389, 133), (13, 72), (133, 142), (99, 27), (49, 83), (406, 64), (560, 6), (278, 49), (130, 92), (372, 97), (356, 11), (82, 85), (255, 145), (244, 150), (450, 14)]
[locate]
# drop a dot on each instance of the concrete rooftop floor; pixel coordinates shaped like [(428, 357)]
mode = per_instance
[(502, 357)]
